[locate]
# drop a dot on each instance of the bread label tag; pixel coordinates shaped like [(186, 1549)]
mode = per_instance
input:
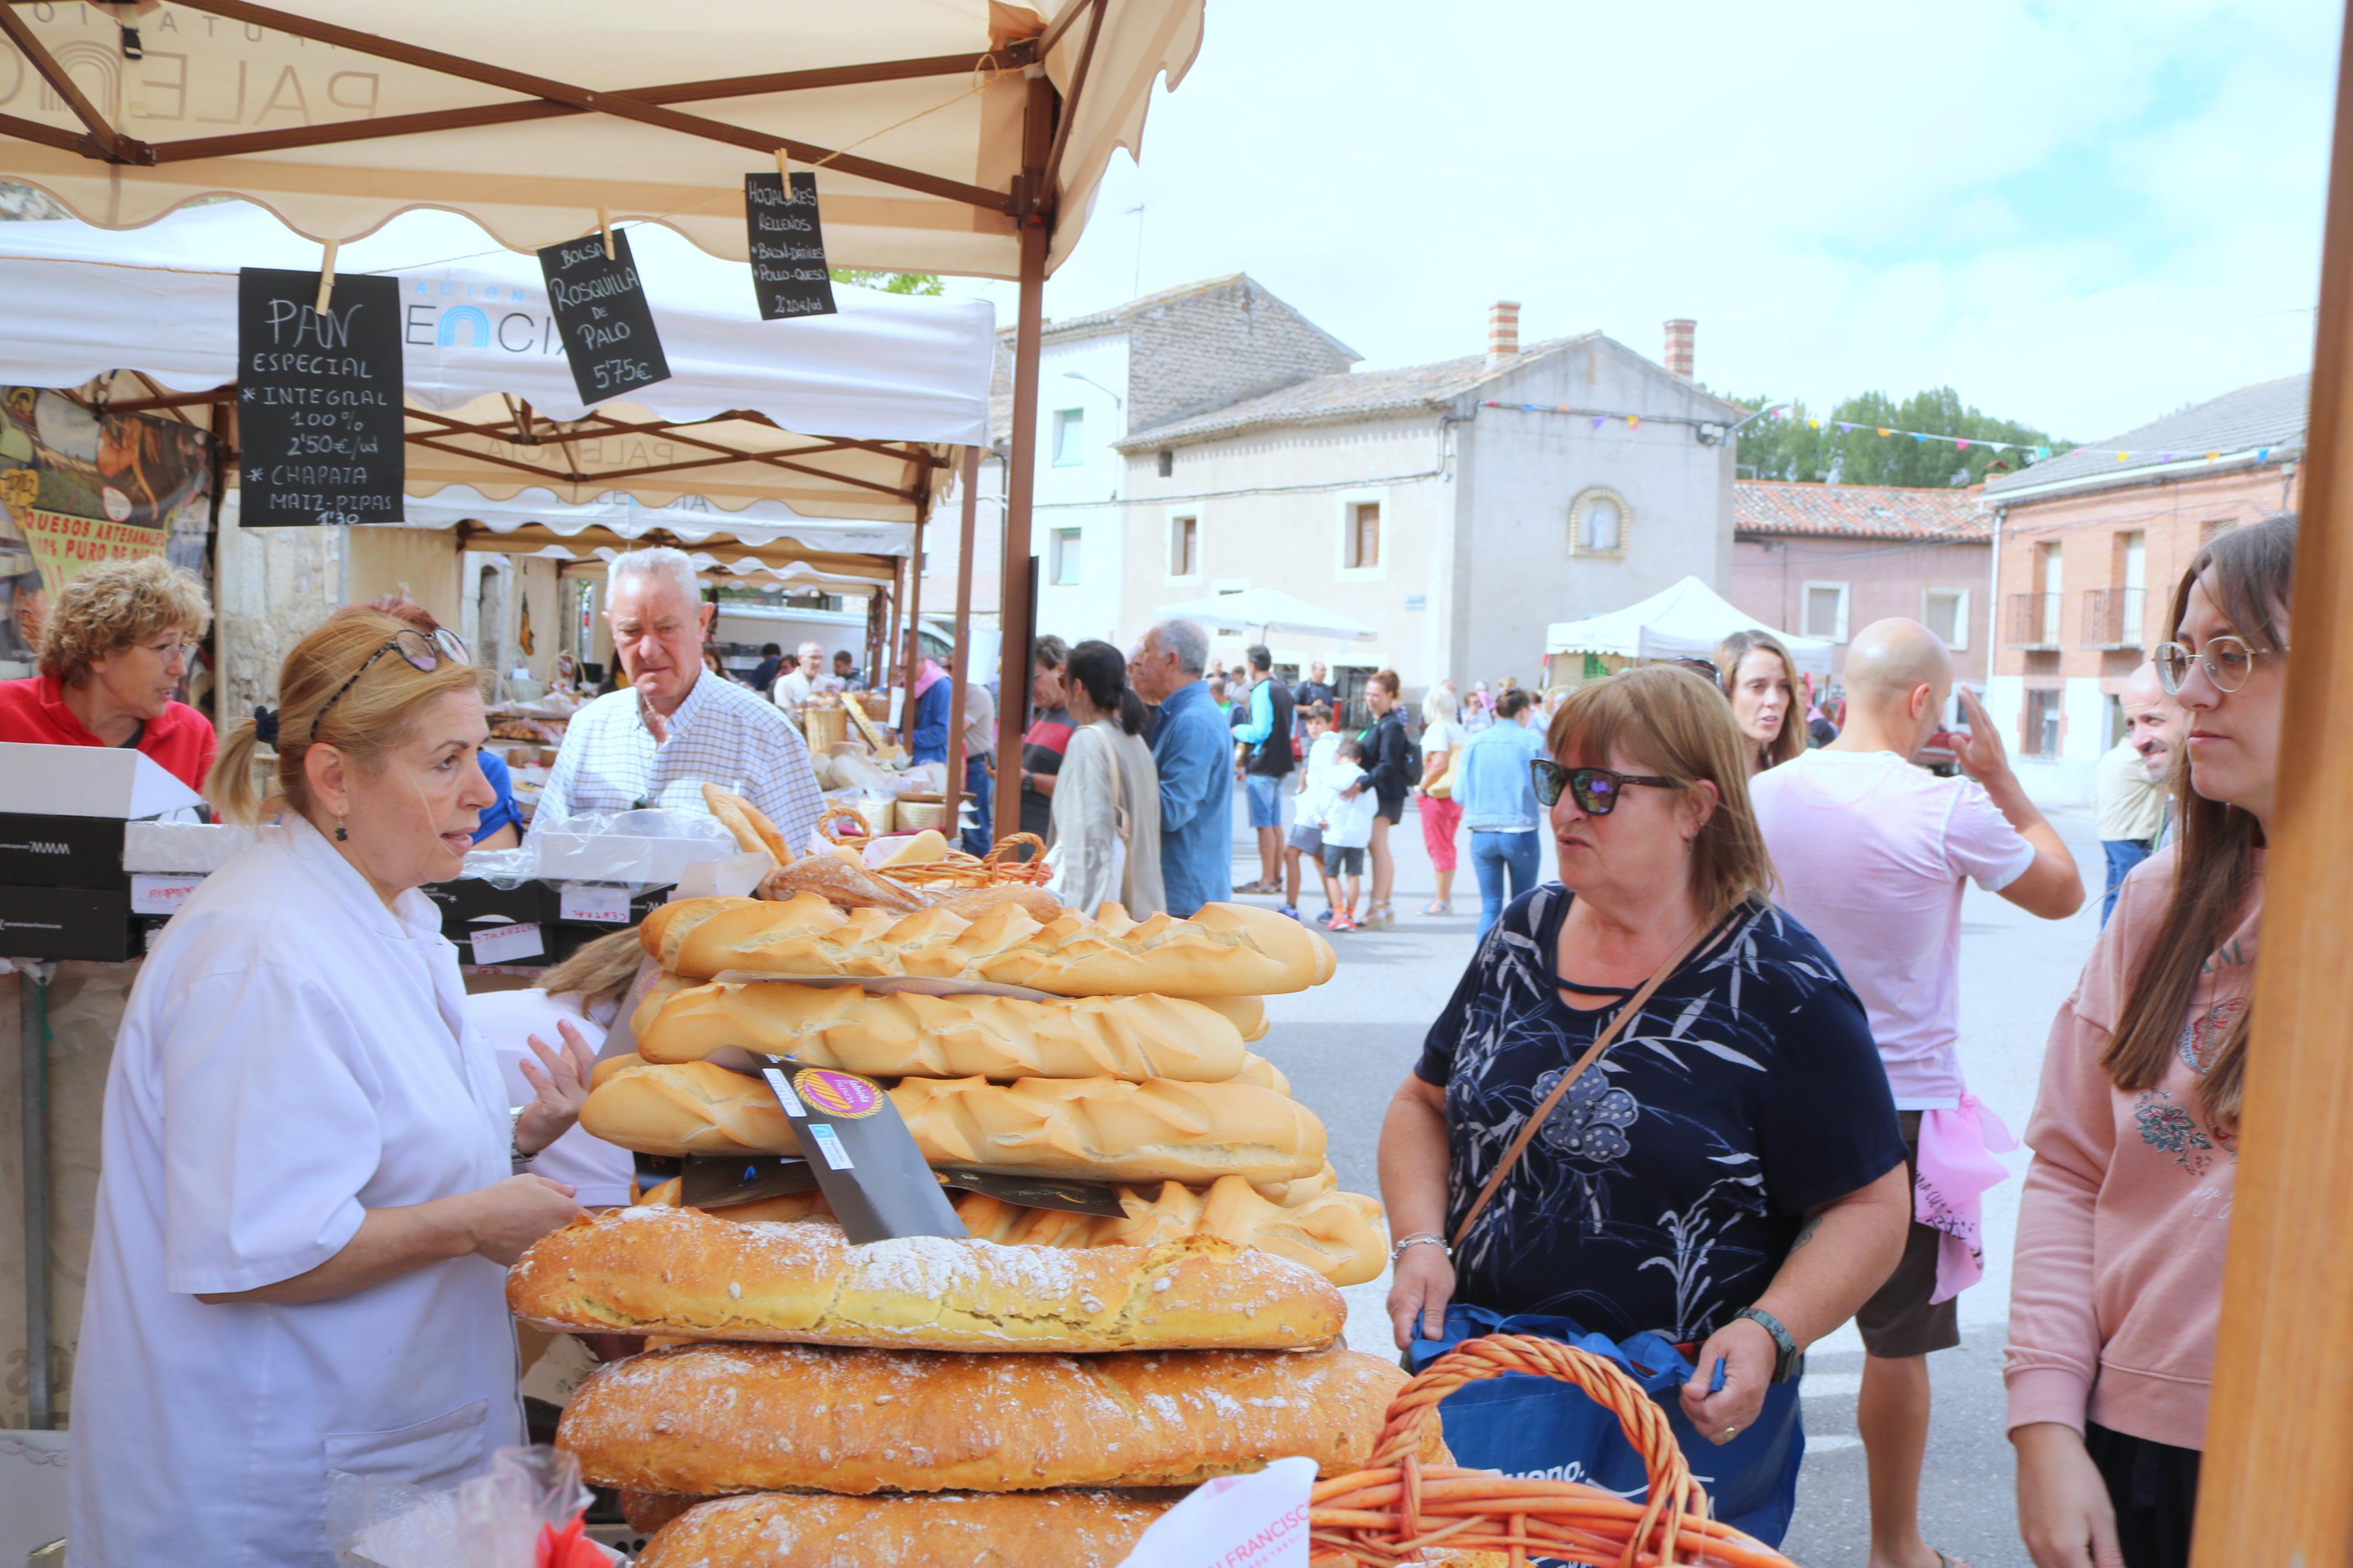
[(829, 1143), (157, 895), (504, 944), (1257, 1521), (594, 901), (873, 1177)]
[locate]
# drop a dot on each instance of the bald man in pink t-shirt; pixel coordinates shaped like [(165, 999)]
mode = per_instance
[(1872, 853)]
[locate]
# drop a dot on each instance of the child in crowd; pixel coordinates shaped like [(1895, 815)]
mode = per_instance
[(1307, 833), (1347, 828)]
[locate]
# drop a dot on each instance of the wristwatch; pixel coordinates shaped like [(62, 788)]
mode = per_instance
[(1788, 1361)]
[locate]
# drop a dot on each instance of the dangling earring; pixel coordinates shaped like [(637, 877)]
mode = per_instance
[(342, 836)]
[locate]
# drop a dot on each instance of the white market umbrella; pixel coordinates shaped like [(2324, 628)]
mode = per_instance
[(1685, 621), (1269, 610)]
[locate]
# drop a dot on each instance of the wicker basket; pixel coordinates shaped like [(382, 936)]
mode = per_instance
[(825, 727), (1399, 1511)]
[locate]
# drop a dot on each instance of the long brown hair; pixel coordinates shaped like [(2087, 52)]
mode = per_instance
[(2247, 573), (1786, 745), (1672, 722)]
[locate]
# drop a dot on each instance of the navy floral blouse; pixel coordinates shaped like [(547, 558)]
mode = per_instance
[(1664, 1191)]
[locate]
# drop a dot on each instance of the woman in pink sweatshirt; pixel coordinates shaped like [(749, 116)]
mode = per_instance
[(2119, 1279)]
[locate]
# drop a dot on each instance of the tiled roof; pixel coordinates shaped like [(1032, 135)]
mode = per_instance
[(1353, 395), (1857, 511), (2268, 413), (1070, 326)]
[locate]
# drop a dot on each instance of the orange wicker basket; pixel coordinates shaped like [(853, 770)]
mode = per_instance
[(1399, 1511)]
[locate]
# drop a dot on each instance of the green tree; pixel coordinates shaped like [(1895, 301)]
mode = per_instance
[(1808, 448), (924, 283)]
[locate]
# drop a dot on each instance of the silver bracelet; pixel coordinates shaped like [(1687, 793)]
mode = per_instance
[(1420, 1238)]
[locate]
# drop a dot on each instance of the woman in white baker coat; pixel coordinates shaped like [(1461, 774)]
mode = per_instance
[(305, 1211)]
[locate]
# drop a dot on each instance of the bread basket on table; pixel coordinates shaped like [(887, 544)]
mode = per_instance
[(1399, 1511), (958, 869)]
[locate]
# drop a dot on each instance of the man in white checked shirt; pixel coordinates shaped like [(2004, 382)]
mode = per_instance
[(676, 726)]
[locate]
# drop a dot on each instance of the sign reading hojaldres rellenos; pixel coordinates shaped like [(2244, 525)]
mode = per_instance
[(603, 316), (788, 271), (318, 400)]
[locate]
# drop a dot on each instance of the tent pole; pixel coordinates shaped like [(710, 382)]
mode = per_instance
[(2279, 1432), (914, 630), (890, 639), (1014, 613), (960, 654)]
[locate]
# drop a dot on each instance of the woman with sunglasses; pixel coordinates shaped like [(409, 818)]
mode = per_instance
[(305, 1211), (115, 653), (1729, 1174), (2116, 1289)]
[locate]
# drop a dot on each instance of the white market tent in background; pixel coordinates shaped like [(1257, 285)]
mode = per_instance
[(1268, 610), (1685, 621), (338, 114)]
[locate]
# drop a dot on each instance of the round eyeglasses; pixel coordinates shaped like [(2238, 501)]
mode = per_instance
[(2228, 662), (422, 653)]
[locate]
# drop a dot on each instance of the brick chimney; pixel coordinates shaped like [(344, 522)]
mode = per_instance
[(1679, 346), (1502, 330)]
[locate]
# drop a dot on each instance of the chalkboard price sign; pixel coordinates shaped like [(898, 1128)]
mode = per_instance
[(318, 400), (788, 271), (604, 317)]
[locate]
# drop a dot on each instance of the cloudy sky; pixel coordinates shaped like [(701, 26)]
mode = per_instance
[(2081, 215)]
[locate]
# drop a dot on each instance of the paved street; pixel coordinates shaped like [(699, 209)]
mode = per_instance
[(1348, 1044)]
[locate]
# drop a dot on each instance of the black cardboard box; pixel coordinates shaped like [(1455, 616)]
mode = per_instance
[(91, 923), (42, 851), (469, 901)]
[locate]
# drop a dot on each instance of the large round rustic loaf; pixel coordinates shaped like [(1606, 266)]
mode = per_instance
[(685, 1273), (957, 1530), (716, 1418), (908, 1035), (1225, 949), (1337, 1234), (1100, 1129)]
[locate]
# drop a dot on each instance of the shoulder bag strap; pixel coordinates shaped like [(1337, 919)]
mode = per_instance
[(1592, 1054), (1120, 821)]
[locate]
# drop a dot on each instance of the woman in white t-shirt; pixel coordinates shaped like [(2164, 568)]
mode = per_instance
[(1106, 845), (586, 991), (1441, 737)]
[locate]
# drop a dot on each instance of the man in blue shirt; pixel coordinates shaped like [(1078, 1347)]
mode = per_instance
[(1194, 750)]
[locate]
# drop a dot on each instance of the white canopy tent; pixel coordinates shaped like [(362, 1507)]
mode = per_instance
[(829, 416), (1685, 621), (1268, 610)]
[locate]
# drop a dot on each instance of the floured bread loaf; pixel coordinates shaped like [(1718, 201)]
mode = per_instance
[(908, 1035), (1337, 1234), (685, 1273), (1100, 1129), (716, 1418), (1226, 950), (962, 1530), (1247, 1013)]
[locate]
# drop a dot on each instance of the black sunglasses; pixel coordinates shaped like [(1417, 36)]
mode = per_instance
[(1596, 790), (424, 655)]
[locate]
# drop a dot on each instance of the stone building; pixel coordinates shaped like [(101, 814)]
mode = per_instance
[(2088, 548), (1826, 561)]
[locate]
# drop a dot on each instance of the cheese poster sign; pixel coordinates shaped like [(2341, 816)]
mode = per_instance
[(62, 545)]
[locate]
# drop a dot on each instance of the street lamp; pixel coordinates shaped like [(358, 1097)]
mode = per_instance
[(1099, 386)]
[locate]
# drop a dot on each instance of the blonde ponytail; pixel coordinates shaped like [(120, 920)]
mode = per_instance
[(231, 786)]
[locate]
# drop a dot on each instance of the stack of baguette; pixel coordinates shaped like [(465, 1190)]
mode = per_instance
[(1035, 1393)]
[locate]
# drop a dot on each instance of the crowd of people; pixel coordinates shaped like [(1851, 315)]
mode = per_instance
[(1704, 1085)]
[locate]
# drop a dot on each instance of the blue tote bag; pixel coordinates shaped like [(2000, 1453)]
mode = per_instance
[(1541, 1428)]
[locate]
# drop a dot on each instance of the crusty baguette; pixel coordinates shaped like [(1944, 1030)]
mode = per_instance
[(845, 884), (684, 1272), (1339, 1235), (753, 830), (1257, 1069), (974, 902), (1248, 1014), (908, 1035), (648, 1512), (1226, 950), (711, 1419), (979, 1530), (1099, 1129)]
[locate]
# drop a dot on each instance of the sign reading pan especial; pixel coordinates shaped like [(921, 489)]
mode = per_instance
[(318, 400), (603, 316)]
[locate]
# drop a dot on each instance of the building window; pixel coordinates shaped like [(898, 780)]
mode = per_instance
[(1363, 548), (1066, 557), (1184, 547), (1069, 437), (1946, 613), (1168, 463), (1597, 523), (1826, 611), (2042, 736)]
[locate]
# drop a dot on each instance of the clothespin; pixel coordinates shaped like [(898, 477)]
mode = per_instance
[(327, 275), (604, 222), (785, 174)]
